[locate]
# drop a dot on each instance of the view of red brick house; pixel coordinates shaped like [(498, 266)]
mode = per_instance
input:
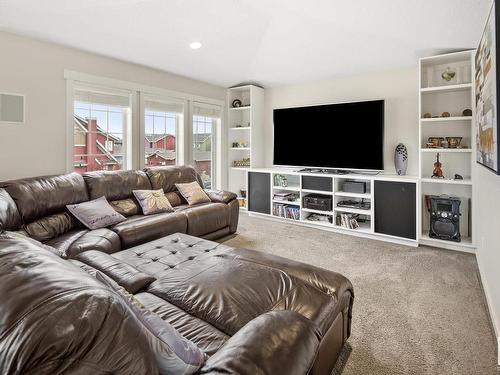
[(96, 150)]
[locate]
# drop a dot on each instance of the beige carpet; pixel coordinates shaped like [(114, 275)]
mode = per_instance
[(416, 310)]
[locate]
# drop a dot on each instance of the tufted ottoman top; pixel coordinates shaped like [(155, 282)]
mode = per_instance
[(228, 287)]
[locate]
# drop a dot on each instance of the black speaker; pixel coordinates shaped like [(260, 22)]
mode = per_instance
[(445, 218)]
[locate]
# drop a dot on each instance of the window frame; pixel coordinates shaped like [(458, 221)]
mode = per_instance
[(135, 150)]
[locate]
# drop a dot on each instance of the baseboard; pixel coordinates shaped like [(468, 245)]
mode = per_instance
[(490, 306)]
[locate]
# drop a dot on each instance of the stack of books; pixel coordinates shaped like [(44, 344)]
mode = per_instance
[(347, 221), (286, 211)]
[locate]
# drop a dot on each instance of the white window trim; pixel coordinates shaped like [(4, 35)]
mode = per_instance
[(180, 136), (136, 151)]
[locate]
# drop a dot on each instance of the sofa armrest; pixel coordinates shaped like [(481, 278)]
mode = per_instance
[(123, 273), (220, 196), (277, 342)]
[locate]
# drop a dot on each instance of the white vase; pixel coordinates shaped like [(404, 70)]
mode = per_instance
[(401, 159)]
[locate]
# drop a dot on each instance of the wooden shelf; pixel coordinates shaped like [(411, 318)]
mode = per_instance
[(446, 181), (450, 88), (292, 203), (446, 119), (308, 191), (317, 211), (447, 150), (363, 227), (240, 168), (240, 108), (241, 148), (353, 195), (241, 128), (287, 188), (349, 210)]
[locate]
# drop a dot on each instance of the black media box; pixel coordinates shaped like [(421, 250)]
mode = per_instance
[(354, 187), (317, 202)]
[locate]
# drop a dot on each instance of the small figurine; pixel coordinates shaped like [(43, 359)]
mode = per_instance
[(438, 171), (445, 114), (427, 115), (458, 177), (467, 112)]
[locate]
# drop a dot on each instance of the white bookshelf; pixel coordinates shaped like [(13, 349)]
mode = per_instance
[(435, 97), (244, 126)]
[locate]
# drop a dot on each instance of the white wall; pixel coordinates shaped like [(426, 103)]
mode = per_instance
[(398, 88), (487, 198), (36, 69)]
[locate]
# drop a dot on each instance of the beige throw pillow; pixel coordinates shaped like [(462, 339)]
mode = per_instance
[(193, 193), (153, 201)]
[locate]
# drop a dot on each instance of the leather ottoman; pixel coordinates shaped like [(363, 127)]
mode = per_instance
[(209, 291)]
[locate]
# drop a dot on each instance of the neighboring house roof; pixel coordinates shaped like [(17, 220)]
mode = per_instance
[(164, 154), (157, 137), (83, 125)]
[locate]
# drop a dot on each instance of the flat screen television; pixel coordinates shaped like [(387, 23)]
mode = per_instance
[(337, 136)]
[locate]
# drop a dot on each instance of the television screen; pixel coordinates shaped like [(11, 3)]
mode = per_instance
[(343, 136)]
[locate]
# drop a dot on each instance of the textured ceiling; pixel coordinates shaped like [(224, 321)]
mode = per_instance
[(273, 42)]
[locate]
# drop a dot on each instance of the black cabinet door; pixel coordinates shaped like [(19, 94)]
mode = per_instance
[(259, 192), (396, 209)]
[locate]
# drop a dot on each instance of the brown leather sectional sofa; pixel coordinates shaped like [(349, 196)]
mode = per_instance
[(37, 207), (250, 312)]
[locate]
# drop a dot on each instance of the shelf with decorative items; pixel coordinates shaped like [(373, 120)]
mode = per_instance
[(447, 144), (244, 134)]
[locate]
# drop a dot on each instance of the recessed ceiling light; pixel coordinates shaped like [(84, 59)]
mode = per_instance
[(195, 45)]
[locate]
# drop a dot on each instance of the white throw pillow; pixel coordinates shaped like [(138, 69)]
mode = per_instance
[(174, 353), (96, 214), (153, 201)]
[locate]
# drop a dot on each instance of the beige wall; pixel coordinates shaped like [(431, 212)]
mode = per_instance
[(36, 69), (487, 198), (398, 88)]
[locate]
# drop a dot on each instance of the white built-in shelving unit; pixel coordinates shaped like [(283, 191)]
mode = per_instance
[(436, 95), (245, 127)]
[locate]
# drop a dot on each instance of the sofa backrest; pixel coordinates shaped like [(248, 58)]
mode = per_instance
[(58, 319), (166, 177), (115, 185), (118, 187), (38, 197), (41, 203)]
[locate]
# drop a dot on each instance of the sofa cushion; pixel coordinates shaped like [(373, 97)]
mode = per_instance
[(115, 185), (42, 196), (174, 353), (57, 319), (205, 218), (122, 273), (153, 201), (9, 216), (52, 226), (77, 241), (166, 177), (96, 213), (193, 193), (126, 207), (139, 229), (203, 334)]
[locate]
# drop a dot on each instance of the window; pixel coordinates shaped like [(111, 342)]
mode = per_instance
[(161, 123), (206, 121), (101, 123)]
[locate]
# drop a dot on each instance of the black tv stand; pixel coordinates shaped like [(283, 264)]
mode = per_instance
[(324, 171)]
